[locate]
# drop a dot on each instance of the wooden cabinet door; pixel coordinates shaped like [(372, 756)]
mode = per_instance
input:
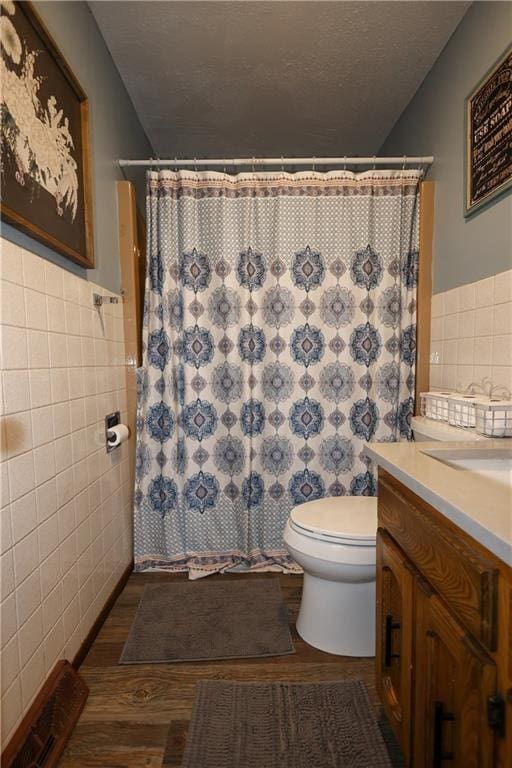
[(453, 678), (395, 586)]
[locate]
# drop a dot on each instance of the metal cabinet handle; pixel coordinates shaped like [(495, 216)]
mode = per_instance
[(388, 640), (440, 717)]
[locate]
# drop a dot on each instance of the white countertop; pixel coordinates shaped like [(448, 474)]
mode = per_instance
[(479, 506)]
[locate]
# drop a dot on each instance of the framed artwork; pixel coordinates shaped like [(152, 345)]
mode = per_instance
[(488, 162), (45, 173)]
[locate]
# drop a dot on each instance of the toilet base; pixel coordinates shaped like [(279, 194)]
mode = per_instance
[(338, 617)]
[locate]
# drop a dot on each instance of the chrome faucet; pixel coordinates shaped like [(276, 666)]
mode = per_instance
[(486, 387)]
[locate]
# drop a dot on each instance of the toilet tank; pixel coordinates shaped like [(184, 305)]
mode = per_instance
[(428, 430)]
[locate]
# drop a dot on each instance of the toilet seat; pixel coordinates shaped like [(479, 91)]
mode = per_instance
[(348, 520)]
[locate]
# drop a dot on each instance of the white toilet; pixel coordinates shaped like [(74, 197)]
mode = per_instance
[(334, 541)]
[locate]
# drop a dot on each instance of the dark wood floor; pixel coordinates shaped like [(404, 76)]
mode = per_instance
[(137, 713)]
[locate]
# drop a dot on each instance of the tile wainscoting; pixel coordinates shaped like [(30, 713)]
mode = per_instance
[(66, 519), (471, 334)]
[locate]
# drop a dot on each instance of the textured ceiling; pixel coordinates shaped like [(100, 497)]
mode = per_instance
[(225, 79)]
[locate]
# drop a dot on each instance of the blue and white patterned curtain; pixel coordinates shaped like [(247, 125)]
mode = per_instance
[(279, 337)]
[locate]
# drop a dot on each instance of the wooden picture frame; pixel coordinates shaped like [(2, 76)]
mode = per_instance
[(46, 174), (488, 153)]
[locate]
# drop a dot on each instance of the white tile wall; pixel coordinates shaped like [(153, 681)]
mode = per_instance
[(471, 334), (65, 505)]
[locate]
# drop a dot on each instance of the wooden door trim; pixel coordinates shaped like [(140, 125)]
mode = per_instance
[(130, 254), (424, 293)]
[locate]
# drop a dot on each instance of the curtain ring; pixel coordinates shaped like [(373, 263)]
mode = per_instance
[(150, 163), (195, 164), (314, 158), (282, 164), (405, 160), (175, 164), (345, 163), (224, 166), (374, 164), (253, 162)]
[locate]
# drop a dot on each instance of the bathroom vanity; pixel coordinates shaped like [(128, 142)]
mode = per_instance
[(444, 602)]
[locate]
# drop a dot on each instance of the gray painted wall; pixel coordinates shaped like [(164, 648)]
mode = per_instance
[(115, 132), (465, 250)]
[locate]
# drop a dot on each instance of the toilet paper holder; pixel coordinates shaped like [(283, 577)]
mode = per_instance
[(112, 420)]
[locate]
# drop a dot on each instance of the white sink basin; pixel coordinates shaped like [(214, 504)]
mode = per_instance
[(493, 464)]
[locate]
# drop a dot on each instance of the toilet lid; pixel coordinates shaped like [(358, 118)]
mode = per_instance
[(349, 518)]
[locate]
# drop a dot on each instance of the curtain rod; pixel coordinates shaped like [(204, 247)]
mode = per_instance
[(282, 161)]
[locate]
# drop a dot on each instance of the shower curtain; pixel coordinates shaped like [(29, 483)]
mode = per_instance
[(279, 338)]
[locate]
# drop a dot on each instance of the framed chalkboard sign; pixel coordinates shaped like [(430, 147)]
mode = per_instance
[(489, 135)]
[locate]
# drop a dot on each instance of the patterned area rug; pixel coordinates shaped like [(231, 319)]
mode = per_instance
[(284, 725), (199, 621)]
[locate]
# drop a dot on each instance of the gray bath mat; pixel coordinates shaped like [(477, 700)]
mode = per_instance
[(203, 620), (284, 725)]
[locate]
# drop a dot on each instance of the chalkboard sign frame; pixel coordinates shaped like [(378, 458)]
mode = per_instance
[(473, 203)]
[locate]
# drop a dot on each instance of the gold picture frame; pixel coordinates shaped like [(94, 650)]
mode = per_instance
[(46, 175)]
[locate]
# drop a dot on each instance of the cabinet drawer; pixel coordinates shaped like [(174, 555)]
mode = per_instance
[(467, 581)]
